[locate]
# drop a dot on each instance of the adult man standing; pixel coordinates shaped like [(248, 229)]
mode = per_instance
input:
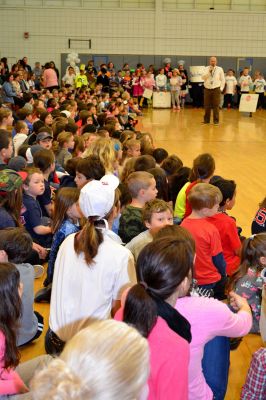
[(214, 82)]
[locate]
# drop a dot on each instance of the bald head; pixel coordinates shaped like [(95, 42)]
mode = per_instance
[(213, 61)]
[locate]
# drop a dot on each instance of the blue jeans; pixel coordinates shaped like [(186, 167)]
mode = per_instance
[(218, 288), (215, 365)]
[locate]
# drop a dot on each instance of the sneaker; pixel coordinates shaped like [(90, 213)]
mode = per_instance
[(38, 271), (235, 342), (205, 122), (43, 295), (216, 123), (178, 108)]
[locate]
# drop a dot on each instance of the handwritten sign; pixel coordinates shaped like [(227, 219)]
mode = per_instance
[(161, 100), (248, 102)]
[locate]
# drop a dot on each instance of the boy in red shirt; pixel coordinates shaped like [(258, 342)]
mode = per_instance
[(209, 263), (226, 225)]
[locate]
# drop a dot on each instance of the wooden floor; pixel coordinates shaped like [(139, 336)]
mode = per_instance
[(238, 145)]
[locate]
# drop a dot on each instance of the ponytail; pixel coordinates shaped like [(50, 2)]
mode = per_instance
[(89, 240), (55, 147), (140, 310), (162, 266), (62, 138)]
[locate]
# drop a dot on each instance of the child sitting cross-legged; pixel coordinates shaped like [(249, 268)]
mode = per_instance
[(45, 161), (142, 187), (209, 263), (32, 217), (248, 281), (15, 247), (156, 214), (226, 225), (65, 222), (22, 130)]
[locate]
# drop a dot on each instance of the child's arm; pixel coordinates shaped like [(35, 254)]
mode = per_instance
[(219, 263), (49, 209), (42, 230)]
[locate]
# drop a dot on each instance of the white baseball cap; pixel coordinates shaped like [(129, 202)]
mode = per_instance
[(97, 197)]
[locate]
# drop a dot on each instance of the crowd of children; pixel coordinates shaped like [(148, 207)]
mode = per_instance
[(139, 82), (84, 191)]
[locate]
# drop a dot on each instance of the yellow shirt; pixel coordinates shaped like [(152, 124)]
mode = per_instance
[(180, 204), (81, 80)]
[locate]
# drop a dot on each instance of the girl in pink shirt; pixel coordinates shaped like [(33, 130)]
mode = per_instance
[(10, 311), (13, 381), (163, 268)]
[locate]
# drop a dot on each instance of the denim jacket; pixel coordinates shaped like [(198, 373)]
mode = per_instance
[(67, 228)]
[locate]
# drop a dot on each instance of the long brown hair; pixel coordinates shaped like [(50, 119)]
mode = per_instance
[(12, 202), (10, 312), (161, 267), (253, 249), (65, 198), (88, 240)]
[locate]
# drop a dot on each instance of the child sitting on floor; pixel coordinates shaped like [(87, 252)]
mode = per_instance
[(32, 217), (247, 280), (142, 187), (87, 169), (156, 214), (226, 225), (259, 222), (21, 135), (15, 247), (209, 264), (65, 222), (45, 161)]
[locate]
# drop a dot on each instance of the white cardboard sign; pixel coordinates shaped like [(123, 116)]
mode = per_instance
[(248, 102)]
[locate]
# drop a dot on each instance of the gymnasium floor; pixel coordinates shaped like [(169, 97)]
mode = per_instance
[(238, 145)]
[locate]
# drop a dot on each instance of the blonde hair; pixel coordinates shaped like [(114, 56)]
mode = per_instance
[(104, 149), (138, 180), (31, 171), (129, 144), (4, 113), (108, 360), (204, 195), (61, 139)]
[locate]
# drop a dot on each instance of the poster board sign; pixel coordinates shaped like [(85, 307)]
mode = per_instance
[(147, 93), (161, 100), (196, 73), (248, 102)]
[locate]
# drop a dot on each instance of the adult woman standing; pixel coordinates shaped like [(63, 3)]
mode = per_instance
[(50, 80)]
